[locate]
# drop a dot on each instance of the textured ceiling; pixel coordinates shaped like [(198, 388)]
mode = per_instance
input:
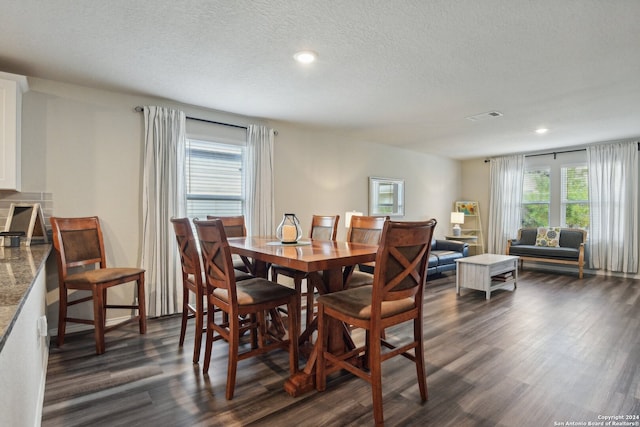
[(404, 73)]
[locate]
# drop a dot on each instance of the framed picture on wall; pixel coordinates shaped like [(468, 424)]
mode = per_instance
[(467, 207)]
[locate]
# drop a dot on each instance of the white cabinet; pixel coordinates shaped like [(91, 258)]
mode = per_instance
[(12, 87)]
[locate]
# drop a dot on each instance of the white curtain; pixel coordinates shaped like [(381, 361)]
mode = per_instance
[(259, 181), (613, 201), (505, 202), (163, 196)]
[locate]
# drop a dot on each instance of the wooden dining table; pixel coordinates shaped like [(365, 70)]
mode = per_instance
[(327, 263)]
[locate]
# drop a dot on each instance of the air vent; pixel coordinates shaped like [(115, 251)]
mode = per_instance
[(484, 116)]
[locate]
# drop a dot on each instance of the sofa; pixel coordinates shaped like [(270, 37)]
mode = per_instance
[(569, 250), (442, 257), (444, 254)]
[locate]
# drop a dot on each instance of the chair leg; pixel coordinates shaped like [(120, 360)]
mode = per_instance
[(419, 356), (375, 366), (199, 315), (98, 319), (62, 314), (209, 340), (185, 315), (104, 304), (142, 310), (262, 328), (294, 333), (234, 343), (321, 380), (253, 333)]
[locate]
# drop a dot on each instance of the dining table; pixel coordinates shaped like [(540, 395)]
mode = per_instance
[(327, 263)]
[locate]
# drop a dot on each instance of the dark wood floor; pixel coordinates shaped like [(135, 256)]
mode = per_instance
[(556, 350)]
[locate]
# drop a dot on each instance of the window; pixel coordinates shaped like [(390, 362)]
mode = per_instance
[(536, 197), (575, 196), (215, 178), (555, 191)]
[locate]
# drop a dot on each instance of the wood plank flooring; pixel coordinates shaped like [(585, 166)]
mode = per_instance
[(557, 350)]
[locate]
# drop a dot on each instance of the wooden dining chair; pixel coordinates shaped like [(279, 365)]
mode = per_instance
[(193, 283), (395, 297), (244, 304), (79, 246), (323, 227), (367, 230)]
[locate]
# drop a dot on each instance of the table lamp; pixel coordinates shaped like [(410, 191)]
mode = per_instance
[(457, 218)]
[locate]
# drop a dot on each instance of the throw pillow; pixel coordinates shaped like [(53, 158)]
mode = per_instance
[(548, 236)]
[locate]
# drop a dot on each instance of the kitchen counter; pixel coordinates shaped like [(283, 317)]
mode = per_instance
[(19, 267)]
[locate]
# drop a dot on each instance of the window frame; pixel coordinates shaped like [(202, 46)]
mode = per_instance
[(223, 137), (555, 161), (564, 190), (547, 203)]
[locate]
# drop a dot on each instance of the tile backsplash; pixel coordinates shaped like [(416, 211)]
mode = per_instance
[(45, 200)]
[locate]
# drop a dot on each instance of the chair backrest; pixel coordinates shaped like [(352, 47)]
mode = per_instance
[(324, 227), (366, 229), (188, 248), (401, 262), (216, 258), (234, 226), (78, 242)]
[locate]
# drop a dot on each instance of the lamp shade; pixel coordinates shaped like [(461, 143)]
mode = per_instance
[(457, 217), (347, 217)]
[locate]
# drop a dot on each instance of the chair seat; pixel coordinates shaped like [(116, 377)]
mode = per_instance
[(356, 303), (256, 291), (102, 275), (359, 278)]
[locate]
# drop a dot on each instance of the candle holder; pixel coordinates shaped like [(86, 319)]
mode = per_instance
[(289, 230)]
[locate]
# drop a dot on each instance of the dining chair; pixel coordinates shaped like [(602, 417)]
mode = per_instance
[(193, 283), (82, 265), (244, 303), (234, 226), (395, 297), (367, 230), (323, 227)]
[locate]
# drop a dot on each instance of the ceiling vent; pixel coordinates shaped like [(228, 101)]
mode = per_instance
[(485, 116)]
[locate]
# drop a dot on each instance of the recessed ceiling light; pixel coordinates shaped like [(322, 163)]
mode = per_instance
[(541, 131), (305, 56)]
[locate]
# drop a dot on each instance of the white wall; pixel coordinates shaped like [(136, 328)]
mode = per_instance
[(322, 172), (475, 186), (85, 147)]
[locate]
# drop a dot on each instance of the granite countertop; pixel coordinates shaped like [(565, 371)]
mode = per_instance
[(19, 267)]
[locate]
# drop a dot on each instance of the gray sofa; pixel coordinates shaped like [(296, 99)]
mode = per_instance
[(570, 250), (442, 257)]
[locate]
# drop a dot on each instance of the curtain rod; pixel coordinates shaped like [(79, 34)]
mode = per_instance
[(140, 109), (554, 153)]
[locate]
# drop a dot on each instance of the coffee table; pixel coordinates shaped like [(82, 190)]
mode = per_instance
[(486, 272)]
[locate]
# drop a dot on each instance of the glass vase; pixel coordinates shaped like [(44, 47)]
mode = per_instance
[(289, 230)]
